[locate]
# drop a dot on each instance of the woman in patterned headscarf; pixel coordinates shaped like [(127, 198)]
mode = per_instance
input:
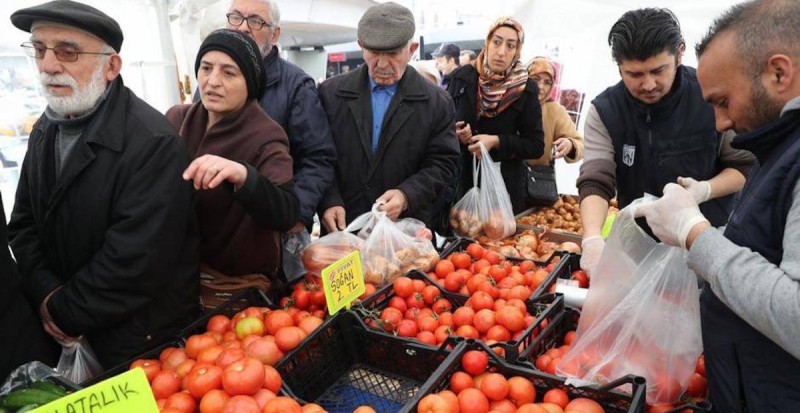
[(497, 105)]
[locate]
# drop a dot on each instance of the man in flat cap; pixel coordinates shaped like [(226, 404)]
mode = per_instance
[(394, 131), (447, 61), (103, 227)]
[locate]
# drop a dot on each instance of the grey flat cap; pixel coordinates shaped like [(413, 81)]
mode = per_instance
[(386, 26)]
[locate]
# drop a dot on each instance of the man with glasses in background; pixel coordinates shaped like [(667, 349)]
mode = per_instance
[(103, 227), (290, 99)]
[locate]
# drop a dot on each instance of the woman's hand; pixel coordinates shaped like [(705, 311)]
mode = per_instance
[(208, 171), (562, 147), (489, 141), (463, 132)]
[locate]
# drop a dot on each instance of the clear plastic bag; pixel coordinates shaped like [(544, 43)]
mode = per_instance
[(641, 316), (293, 245), (26, 374), (78, 362), (465, 215), (497, 214), (389, 252), (329, 249)]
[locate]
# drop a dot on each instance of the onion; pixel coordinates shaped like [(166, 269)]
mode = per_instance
[(545, 248), (569, 247)]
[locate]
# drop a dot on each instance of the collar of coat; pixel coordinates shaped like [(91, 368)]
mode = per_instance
[(273, 68), (410, 86)]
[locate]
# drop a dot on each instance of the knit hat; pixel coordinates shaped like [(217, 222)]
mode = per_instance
[(73, 14), (244, 51), (385, 27), (542, 65)]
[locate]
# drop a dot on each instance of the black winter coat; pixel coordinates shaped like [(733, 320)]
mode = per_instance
[(417, 151), (24, 340), (115, 233), (519, 127)]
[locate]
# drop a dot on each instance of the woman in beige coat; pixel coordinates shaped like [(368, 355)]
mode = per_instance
[(561, 139)]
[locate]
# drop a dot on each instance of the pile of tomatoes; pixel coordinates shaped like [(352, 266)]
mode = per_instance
[(308, 295), (229, 367), (475, 389), (696, 392)]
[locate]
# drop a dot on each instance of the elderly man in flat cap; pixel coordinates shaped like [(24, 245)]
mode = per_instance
[(103, 227), (394, 131)]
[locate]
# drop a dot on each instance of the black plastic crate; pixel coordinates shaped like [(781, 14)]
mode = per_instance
[(251, 297), (343, 365), (610, 396), (569, 262), (545, 308)]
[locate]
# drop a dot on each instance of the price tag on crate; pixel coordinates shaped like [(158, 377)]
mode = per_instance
[(343, 282), (128, 392)]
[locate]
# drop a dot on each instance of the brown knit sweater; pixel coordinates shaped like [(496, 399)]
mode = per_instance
[(241, 230)]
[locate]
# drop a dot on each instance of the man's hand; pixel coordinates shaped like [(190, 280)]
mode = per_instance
[(562, 147), (489, 141), (591, 250), (49, 325), (672, 216), (393, 202), (334, 219), (208, 171), (700, 190)]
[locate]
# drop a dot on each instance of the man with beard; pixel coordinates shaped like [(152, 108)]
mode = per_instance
[(103, 227), (652, 128), (749, 71), (291, 100)]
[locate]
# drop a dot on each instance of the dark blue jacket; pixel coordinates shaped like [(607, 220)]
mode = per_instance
[(655, 144), (291, 99)]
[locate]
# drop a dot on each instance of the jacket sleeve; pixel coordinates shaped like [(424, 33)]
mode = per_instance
[(315, 154), (565, 127), (770, 301), (152, 220), (528, 142), (274, 206), (441, 158), (38, 279), (598, 174)]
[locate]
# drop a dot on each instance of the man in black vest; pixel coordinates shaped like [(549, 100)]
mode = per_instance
[(652, 128), (749, 70)]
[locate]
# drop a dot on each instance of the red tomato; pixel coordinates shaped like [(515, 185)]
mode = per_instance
[(430, 294), (219, 323), (484, 320), (426, 337), (415, 300), (460, 381), (697, 386), (480, 300), (241, 404), (495, 386), (288, 338), (475, 362), (454, 281), (433, 403), (228, 356), (165, 384), (502, 406), (450, 398), (277, 320), (214, 401), (182, 402), (301, 298), (403, 287), (272, 379), (244, 376), (472, 401), (441, 305), (476, 251), (511, 318), (150, 367), (407, 328), (368, 291), (556, 396), (310, 323), (700, 367), (210, 354), (463, 316), (581, 277), (202, 380), (263, 396), (390, 318), (265, 350), (313, 408), (364, 409), (583, 405), (282, 404)]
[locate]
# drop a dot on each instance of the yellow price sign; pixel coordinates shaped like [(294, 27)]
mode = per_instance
[(128, 392), (343, 282)]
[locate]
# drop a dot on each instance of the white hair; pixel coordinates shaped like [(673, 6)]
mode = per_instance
[(274, 11), (427, 67)]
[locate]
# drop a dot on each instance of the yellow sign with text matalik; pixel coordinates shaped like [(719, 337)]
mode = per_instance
[(126, 393), (343, 282)]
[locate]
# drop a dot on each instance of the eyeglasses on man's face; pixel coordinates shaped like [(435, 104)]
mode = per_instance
[(253, 22), (64, 53)]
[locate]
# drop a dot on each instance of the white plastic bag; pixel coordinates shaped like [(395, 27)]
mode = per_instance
[(497, 214), (642, 316), (78, 362), (293, 245)]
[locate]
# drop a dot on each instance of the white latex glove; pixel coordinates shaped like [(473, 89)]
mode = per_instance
[(700, 190), (591, 250), (672, 216)]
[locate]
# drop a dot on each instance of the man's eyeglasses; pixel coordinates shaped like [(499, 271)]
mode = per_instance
[(63, 53), (542, 81), (253, 22)]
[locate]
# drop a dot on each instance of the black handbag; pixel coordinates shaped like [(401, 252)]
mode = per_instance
[(540, 184)]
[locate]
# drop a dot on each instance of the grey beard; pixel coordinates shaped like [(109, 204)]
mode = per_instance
[(82, 99)]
